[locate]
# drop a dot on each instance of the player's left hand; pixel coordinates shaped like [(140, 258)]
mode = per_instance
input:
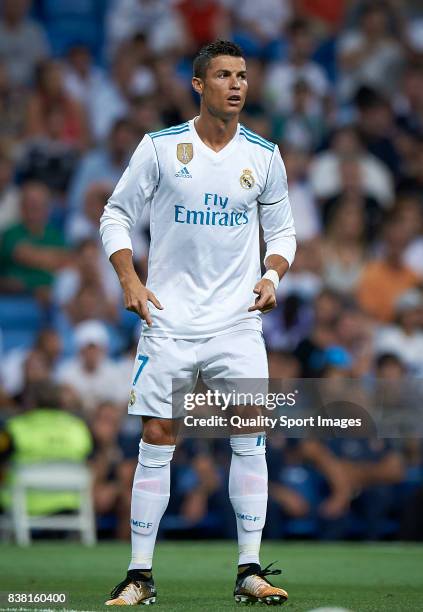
[(266, 297)]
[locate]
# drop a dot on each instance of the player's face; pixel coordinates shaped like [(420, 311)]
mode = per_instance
[(224, 87)]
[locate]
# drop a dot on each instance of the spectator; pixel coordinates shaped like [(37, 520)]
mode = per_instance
[(46, 433), (81, 78), (12, 110), (204, 20), (91, 373), (292, 489), (283, 365), (303, 126), (23, 43), (48, 158), (353, 192), (344, 246), (311, 351), (369, 55), (110, 102), (104, 164), (9, 194), (409, 98), (360, 474), (32, 250), (145, 116), (47, 346), (255, 108), (258, 28), (405, 337), (302, 199), (87, 270), (84, 224), (377, 129), (175, 103), (410, 209), (198, 489), (283, 76), (50, 95), (355, 333), (156, 19), (88, 303), (106, 463), (374, 178), (36, 373), (384, 278)]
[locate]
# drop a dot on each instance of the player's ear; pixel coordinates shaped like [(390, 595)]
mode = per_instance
[(198, 85)]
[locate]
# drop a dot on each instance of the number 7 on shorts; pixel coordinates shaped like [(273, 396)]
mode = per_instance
[(143, 359)]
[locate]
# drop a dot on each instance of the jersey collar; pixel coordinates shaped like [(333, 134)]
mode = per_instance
[(213, 155)]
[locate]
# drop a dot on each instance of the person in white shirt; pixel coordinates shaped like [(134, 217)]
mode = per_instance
[(283, 76), (91, 373), (208, 182)]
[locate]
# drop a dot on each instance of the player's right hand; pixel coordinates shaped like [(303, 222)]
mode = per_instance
[(136, 298)]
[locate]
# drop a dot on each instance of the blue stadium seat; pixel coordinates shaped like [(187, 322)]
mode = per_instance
[(19, 313), (18, 338), (21, 318)]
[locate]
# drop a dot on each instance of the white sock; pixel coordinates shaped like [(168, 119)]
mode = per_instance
[(248, 493), (150, 497)]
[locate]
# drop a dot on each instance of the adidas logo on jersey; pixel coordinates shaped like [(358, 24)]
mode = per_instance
[(183, 173)]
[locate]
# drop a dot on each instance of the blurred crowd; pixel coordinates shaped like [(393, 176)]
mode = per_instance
[(339, 87)]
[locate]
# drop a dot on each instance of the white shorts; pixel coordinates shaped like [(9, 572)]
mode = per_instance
[(159, 360)]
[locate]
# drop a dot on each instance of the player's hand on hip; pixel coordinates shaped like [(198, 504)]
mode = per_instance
[(266, 297), (136, 298)]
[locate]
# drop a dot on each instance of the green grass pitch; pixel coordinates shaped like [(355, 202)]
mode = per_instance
[(199, 575)]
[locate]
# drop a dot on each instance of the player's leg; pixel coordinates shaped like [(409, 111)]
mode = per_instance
[(230, 358), (150, 497), (248, 494), (159, 360), (151, 488)]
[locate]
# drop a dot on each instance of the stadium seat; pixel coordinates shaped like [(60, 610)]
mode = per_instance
[(17, 311), (20, 321), (50, 477)]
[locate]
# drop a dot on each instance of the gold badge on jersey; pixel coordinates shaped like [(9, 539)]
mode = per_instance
[(132, 398), (247, 179), (184, 152)]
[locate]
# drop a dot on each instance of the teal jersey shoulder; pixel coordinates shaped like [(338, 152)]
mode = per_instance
[(171, 131), (256, 139)]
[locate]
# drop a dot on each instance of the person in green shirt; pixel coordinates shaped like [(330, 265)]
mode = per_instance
[(31, 251), (44, 434)]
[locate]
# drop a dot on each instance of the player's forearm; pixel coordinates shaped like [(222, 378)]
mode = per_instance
[(277, 263), (326, 462), (122, 262), (387, 471)]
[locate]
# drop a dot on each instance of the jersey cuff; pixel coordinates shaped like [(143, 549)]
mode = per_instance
[(115, 238)]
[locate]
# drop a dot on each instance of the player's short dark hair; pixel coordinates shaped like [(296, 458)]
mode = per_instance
[(214, 49)]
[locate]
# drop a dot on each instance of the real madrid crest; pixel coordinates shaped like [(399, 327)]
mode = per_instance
[(247, 179), (184, 152), (132, 398)]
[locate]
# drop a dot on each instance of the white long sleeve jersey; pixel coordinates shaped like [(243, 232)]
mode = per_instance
[(205, 210)]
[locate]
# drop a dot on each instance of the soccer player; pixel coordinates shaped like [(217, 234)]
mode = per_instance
[(209, 182)]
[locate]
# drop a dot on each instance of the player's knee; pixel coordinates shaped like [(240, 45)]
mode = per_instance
[(249, 444), (154, 455), (158, 431)]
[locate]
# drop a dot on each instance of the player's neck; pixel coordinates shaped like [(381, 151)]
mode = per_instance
[(215, 132)]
